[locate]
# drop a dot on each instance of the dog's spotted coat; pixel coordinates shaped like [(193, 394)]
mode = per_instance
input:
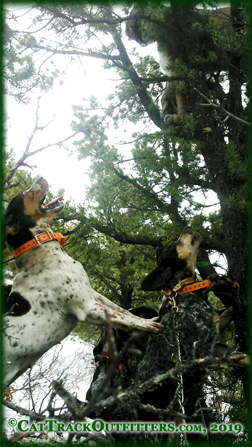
[(52, 289)]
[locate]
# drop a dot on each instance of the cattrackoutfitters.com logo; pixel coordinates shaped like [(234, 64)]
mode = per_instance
[(97, 426)]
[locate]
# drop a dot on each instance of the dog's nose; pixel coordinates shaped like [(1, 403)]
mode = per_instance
[(40, 181)]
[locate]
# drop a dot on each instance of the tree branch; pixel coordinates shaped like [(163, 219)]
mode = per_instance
[(151, 109), (27, 153), (120, 236), (211, 243), (172, 374), (86, 21), (216, 106), (78, 53), (32, 414), (162, 206)]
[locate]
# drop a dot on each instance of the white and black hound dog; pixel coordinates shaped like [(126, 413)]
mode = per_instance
[(51, 291)]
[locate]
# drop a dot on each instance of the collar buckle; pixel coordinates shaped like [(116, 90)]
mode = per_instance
[(49, 233)]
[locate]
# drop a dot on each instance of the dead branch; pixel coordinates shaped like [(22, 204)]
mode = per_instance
[(161, 411), (216, 106), (32, 414), (71, 401), (77, 411), (27, 153), (30, 389), (49, 407), (73, 404), (115, 360), (131, 392), (166, 412), (234, 359)]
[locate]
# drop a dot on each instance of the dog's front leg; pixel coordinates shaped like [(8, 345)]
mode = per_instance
[(120, 318), (114, 307), (109, 304)]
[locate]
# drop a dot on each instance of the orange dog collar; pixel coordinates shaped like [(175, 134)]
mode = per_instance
[(181, 288), (39, 239), (195, 286)]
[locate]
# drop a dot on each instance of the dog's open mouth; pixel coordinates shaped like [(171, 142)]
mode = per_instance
[(53, 204)]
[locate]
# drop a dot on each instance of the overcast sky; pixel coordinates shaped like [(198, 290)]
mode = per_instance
[(56, 165)]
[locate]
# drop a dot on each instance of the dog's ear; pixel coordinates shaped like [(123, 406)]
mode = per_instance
[(12, 215), (11, 226), (156, 279)]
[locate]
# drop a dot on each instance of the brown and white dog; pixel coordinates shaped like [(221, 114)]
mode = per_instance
[(51, 291)]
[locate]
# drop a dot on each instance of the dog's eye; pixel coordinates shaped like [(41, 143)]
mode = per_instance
[(8, 219)]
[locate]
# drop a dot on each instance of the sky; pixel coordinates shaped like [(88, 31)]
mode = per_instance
[(61, 169), (56, 165)]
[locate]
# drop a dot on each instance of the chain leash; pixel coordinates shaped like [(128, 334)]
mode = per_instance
[(180, 385)]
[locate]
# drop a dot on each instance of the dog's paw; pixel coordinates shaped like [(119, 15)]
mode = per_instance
[(155, 326), (219, 284), (218, 280)]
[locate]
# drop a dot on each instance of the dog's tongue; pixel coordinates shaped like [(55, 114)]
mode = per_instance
[(54, 201)]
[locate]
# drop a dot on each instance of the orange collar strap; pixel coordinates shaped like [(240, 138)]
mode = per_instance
[(195, 286), (39, 239), (182, 289)]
